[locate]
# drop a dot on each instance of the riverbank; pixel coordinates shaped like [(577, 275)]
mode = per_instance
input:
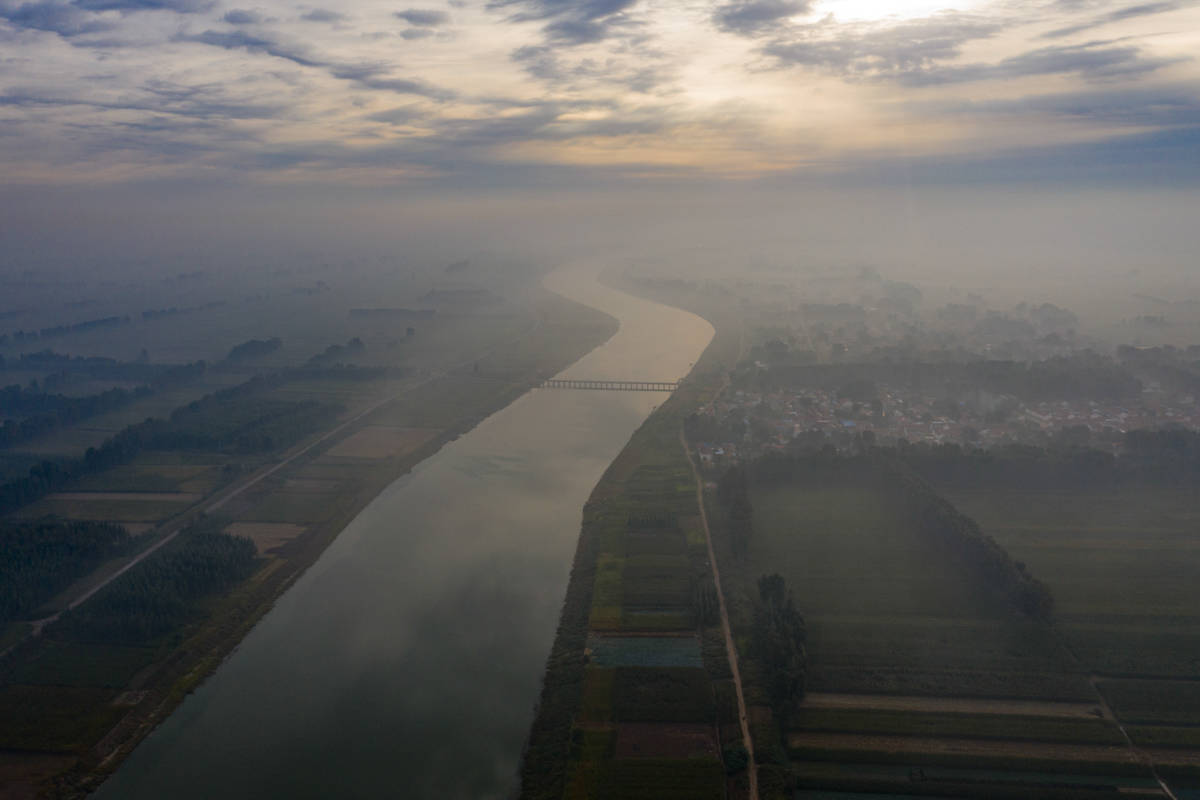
[(412, 650), (641, 527), (460, 400)]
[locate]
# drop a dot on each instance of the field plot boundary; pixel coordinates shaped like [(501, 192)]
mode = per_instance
[(953, 705)]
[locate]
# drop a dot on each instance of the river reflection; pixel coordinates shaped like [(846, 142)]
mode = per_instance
[(407, 660)]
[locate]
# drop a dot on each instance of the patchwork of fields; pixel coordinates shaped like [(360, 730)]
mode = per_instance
[(1125, 569), (74, 701), (923, 680), (647, 722)]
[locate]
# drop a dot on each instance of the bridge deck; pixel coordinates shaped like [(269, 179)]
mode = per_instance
[(615, 386)]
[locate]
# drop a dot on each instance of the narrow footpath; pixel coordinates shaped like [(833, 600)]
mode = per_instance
[(730, 650)]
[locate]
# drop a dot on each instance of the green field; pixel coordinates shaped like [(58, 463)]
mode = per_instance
[(886, 611), (1123, 567)]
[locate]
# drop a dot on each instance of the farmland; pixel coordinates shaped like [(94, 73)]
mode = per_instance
[(1123, 567), (87, 689), (926, 673), (881, 600), (635, 700), (916, 661)]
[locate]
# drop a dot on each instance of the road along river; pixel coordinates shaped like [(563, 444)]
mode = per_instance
[(407, 660)]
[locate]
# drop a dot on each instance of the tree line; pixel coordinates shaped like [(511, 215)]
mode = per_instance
[(233, 420), (43, 412), (63, 330), (778, 640), (165, 591), (933, 515), (733, 493), (1166, 457), (252, 348), (40, 559)]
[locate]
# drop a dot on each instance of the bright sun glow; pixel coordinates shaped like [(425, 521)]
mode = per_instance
[(877, 10)]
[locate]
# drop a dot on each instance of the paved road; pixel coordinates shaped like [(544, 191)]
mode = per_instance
[(730, 650)]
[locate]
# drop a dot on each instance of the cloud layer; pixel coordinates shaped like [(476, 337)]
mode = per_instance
[(116, 90)]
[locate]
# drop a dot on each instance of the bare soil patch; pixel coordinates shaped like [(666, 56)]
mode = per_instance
[(381, 441), (953, 705), (665, 740), (267, 536)]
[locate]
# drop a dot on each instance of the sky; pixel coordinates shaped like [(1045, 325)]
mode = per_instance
[(512, 93)]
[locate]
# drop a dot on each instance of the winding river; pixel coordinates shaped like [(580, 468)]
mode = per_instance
[(406, 662)]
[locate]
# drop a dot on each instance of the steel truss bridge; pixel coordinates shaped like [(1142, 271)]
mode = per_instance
[(612, 386)]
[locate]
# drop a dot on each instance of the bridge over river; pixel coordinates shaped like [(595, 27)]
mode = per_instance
[(615, 386)]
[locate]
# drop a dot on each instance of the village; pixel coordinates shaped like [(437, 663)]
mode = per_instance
[(773, 420)]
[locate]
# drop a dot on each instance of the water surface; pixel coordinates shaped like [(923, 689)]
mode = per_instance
[(406, 662)]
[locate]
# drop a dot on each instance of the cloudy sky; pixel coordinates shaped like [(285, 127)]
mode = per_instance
[(474, 92)]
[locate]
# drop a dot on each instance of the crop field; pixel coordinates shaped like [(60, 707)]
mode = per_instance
[(903, 782), (662, 779), (1092, 730), (379, 441), (1122, 566), (117, 507), (659, 740), (645, 651), (645, 724), (267, 536), (73, 440), (887, 612), (146, 476), (914, 665), (296, 508)]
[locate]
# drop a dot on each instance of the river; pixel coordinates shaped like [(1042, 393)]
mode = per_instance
[(407, 660)]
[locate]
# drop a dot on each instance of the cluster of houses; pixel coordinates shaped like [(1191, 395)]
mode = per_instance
[(754, 422)]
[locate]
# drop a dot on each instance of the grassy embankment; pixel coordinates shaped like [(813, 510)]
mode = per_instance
[(72, 708)]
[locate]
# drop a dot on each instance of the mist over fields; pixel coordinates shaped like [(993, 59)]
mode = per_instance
[(895, 307), (1090, 249)]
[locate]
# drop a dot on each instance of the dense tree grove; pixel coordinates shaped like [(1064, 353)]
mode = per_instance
[(778, 644), (30, 412), (62, 330), (705, 603), (234, 420), (165, 591), (253, 348), (101, 368), (734, 496), (335, 351), (40, 559), (1169, 457), (42, 413)]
